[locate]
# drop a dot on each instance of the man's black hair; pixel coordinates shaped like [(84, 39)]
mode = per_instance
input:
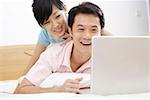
[(86, 8)]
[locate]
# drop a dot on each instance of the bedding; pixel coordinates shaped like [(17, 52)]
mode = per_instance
[(72, 96), (7, 88), (55, 79)]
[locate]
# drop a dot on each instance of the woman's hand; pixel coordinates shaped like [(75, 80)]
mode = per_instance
[(71, 85), (66, 37)]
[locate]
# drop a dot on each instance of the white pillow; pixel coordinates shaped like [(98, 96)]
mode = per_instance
[(8, 86), (58, 79)]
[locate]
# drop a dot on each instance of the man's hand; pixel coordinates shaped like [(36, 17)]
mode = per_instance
[(71, 85)]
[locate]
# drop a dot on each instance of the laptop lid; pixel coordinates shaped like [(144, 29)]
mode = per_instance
[(120, 65)]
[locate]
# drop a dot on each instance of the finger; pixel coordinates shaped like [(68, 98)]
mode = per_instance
[(68, 89), (73, 85), (60, 35), (66, 41), (75, 81), (65, 36), (72, 81), (73, 90), (79, 79)]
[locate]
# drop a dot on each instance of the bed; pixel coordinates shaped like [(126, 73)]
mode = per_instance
[(13, 61), (72, 96)]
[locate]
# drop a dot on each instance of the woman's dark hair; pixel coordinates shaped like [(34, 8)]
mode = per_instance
[(42, 9), (86, 8)]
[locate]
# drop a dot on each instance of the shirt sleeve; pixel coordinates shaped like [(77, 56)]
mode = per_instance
[(40, 70), (43, 38)]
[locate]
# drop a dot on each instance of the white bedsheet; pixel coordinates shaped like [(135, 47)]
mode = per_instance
[(8, 87), (72, 96)]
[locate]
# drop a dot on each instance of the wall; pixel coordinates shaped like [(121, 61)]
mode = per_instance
[(124, 17), (17, 23)]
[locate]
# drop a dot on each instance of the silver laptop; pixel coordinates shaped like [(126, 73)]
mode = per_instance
[(120, 65)]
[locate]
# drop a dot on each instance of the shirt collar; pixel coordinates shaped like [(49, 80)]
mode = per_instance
[(85, 66), (66, 60)]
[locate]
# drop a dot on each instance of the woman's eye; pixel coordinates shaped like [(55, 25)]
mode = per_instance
[(57, 16), (46, 22)]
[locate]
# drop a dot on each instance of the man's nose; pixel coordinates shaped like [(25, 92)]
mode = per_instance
[(87, 35)]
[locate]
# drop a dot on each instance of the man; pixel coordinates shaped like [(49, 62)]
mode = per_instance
[(85, 21)]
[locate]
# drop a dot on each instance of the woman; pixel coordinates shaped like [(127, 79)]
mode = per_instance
[(51, 16), (53, 23)]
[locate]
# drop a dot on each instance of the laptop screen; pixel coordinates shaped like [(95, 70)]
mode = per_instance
[(120, 65)]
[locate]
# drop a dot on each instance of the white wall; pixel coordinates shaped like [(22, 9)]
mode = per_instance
[(17, 23), (123, 17), (127, 17)]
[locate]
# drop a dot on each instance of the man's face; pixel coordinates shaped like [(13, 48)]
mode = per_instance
[(84, 28)]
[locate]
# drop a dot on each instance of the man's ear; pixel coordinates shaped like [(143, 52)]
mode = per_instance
[(70, 31), (101, 32), (105, 32)]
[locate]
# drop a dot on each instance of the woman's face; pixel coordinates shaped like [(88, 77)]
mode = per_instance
[(56, 23)]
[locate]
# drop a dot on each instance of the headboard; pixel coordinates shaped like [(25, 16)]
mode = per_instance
[(13, 60)]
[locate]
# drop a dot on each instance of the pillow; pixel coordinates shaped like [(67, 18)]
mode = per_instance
[(8, 86), (58, 79)]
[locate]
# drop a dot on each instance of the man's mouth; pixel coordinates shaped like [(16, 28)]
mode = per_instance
[(86, 44)]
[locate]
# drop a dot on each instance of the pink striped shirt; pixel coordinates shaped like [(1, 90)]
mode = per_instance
[(55, 59)]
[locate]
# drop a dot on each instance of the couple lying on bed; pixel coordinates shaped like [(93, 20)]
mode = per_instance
[(84, 21)]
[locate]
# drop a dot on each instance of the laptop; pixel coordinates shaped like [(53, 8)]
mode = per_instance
[(120, 65)]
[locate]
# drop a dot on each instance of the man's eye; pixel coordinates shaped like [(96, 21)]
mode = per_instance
[(81, 29), (94, 30)]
